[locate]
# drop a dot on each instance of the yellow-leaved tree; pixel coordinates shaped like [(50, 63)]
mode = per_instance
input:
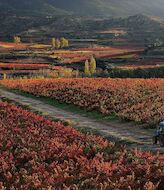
[(57, 44), (17, 39), (93, 65), (53, 43), (86, 68), (64, 42)]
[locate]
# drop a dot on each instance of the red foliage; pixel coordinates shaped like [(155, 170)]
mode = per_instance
[(10, 45), (23, 65), (139, 100), (20, 71), (37, 153), (30, 68), (82, 54), (138, 66)]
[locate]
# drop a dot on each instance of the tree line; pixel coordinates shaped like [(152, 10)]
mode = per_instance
[(59, 43), (155, 72), (56, 43), (90, 67)]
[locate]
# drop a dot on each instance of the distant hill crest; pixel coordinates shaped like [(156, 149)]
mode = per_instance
[(83, 7)]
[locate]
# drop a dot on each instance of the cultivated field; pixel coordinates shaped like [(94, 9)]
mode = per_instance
[(81, 95), (81, 54), (48, 155), (25, 59), (139, 100), (12, 46)]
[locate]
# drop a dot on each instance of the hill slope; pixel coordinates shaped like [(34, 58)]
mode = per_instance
[(84, 7), (30, 7), (112, 7)]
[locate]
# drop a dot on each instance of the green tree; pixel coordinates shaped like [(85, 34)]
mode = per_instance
[(92, 65), (86, 68), (53, 43), (57, 44)]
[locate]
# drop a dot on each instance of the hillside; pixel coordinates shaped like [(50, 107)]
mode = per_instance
[(29, 8), (83, 7), (74, 18), (138, 28), (112, 7)]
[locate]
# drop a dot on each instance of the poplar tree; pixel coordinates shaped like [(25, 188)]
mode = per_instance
[(86, 68), (53, 43), (92, 65), (4, 76), (64, 42), (57, 44)]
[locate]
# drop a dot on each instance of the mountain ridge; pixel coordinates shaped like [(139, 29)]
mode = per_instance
[(83, 7)]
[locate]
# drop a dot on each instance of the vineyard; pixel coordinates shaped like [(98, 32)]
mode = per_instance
[(81, 95), (138, 66), (139, 100), (20, 59), (8, 45), (21, 69), (81, 54), (25, 66), (52, 156)]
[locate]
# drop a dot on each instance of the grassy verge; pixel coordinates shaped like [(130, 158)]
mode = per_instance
[(74, 109), (79, 110), (84, 130), (68, 107)]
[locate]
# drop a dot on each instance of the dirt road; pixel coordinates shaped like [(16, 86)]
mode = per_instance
[(121, 131)]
